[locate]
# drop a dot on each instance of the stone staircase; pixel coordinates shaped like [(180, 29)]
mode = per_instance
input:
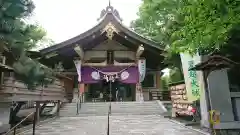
[(87, 109), (137, 108), (117, 108)]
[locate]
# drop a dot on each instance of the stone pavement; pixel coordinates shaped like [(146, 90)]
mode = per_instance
[(147, 125), (119, 125)]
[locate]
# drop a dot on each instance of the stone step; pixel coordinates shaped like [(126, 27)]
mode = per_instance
[(120, 107), (117, 108)]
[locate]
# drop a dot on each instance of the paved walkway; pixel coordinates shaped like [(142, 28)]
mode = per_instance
[(119, 125)]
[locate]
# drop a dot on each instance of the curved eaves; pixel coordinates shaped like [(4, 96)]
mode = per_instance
[(109, 17)]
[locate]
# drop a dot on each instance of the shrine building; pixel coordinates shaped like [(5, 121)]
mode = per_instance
[(108, 52)]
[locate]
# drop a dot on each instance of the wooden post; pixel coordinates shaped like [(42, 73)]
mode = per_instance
[(2, 73), (158, 80), (37, 111), (34, 123), (11, 117), (36, 116), (58, 109)]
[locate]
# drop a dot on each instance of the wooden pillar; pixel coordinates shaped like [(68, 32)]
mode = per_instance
[(158, 80), (2, 73), (69, 85)]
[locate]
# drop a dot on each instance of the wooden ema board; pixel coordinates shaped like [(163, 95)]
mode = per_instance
[(179, 100)]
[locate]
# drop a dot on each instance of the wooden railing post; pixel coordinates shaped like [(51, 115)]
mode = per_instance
[(14, 131), (34, 122), (36, 116), (37, 110), (58, 108)]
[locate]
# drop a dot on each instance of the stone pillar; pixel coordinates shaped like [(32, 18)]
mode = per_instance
[(203, 100), (219, 94), (139, 93), (204, 103)]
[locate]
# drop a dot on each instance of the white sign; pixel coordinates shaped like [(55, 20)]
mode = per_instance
[(142, 69), (78, 64), (190, 76)]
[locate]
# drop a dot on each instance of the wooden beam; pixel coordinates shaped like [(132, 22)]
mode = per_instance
[(96, 64), (139, 51), (51, 55), (79, 51), (95, 54), (123, 64), (70, 73)]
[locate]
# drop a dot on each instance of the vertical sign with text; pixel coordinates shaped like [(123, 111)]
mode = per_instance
[(191, 76), (142, 69)]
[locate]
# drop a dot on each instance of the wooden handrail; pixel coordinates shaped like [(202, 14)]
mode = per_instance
[(19, 123)]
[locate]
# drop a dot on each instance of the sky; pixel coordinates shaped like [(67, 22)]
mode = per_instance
[(64, 19)]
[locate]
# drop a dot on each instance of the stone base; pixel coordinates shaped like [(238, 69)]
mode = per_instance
[(4, 116), (139, 96), (4, 128), (228, 132)]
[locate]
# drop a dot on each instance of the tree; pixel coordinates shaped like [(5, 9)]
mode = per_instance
[(175, 75), (164, 82), (156, 22), (17, 36), (189, 25)]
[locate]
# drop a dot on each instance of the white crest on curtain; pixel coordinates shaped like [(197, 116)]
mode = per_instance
[(142, 69), (124, 75), (78, 64), (95, 75)]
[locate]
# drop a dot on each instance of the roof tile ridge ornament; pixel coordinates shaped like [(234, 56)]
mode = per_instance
[(109, 10), (110, 29)]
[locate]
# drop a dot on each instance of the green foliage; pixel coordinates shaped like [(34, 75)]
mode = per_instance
[(164, 82), (18, 36), (188, 25), (207, 24), (13, 27), (32, 73), (175, 75)]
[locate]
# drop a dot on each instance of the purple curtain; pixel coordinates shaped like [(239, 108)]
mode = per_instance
[(129, 75)]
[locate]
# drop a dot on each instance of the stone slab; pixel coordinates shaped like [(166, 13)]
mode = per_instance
[(119, 125)]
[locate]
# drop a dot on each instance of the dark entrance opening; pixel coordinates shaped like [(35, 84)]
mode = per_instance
[(109, 90), (100, 92)]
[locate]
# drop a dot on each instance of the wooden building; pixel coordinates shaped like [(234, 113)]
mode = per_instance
[(108, 48), (15, 95)]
